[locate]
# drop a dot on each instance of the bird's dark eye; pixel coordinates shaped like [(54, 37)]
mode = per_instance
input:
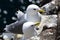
[(34, 9), (32, 25), (37, 28)]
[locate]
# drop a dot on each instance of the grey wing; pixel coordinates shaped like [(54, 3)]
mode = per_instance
[(16, 27), (19, 14)]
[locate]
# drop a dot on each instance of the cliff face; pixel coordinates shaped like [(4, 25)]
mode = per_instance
[(58, 22), (58, 27), (48, 34)]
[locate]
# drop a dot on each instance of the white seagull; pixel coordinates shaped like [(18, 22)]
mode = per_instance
[(32, 14)]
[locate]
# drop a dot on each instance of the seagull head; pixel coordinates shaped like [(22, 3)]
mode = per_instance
[(34, 8), (33, 11), (29, 29), (30, 26)]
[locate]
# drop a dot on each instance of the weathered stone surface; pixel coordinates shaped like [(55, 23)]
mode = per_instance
[(48, 34)]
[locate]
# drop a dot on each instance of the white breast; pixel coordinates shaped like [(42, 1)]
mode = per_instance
[(33, 17)]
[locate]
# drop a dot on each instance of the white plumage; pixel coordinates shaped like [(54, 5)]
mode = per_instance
[(32, 13), (28, 30), (32, 16)]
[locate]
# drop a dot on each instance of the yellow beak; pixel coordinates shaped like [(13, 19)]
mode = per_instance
[(37, 24), (41, 11)]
